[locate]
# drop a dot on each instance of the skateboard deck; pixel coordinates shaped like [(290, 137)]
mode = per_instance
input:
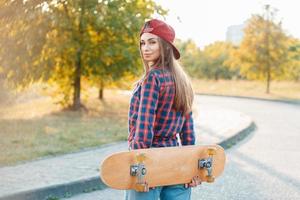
[(144, 168)]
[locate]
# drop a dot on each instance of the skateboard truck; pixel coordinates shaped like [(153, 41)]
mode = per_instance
[(139, 170), (207, 164)]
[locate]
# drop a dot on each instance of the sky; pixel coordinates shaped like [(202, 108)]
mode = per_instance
[(206, 21)]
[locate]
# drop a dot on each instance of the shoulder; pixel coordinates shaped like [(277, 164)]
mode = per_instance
[(153, 77), (156, 72), (157, 76), (164, 76)]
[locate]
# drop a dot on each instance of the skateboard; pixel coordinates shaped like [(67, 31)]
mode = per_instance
[(144, 168)]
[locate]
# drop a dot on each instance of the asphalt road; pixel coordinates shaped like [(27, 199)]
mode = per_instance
[(264, 166)]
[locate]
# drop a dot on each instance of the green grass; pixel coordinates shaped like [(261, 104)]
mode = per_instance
[(38, 128), (289, 91)]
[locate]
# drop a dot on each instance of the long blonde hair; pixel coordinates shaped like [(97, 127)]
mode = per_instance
[(184, 94)]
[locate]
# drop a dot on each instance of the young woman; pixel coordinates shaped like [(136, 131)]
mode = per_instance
[(160, 113)]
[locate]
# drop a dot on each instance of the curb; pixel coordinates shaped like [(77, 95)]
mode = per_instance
[(59, 191), (95, 183), (233, 140)]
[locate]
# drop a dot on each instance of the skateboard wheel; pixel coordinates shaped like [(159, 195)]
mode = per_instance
[(133, 170), (211, 151), (144, 171), (210, 179)]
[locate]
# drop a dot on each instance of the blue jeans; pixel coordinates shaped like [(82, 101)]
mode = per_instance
[(173, 192)]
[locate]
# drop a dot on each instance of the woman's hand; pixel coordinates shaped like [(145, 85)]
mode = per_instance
[(195, 182)]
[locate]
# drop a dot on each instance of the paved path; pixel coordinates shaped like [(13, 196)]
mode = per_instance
[(77, 172), (265, 166)]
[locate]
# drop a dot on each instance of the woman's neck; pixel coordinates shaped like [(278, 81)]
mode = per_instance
[(151, 64)]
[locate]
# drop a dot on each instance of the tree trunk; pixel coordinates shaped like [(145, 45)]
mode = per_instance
[(267, 42), (268, 79), (216, 77), (101, 90), (77, 80)]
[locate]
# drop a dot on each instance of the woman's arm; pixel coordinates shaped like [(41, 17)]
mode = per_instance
[(146, 114), (187, 135)]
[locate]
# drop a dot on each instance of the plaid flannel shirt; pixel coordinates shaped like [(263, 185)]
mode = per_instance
[(152, 121)]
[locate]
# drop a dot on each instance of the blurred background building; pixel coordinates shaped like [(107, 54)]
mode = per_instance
[(235, 33)]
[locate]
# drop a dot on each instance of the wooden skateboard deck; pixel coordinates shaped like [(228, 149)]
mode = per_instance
[(144, 168)]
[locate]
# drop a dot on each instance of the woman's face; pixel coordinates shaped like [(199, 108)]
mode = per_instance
[(150, 48)]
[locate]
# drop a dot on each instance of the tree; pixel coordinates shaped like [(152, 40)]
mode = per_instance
[(191, 57), (22, 36), (211, 63), (216, 55), (119, 53), (292, 67), (263, 50), (71, 39)]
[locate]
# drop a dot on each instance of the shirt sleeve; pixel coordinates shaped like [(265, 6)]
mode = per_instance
[(187, 134), (146, 113)]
